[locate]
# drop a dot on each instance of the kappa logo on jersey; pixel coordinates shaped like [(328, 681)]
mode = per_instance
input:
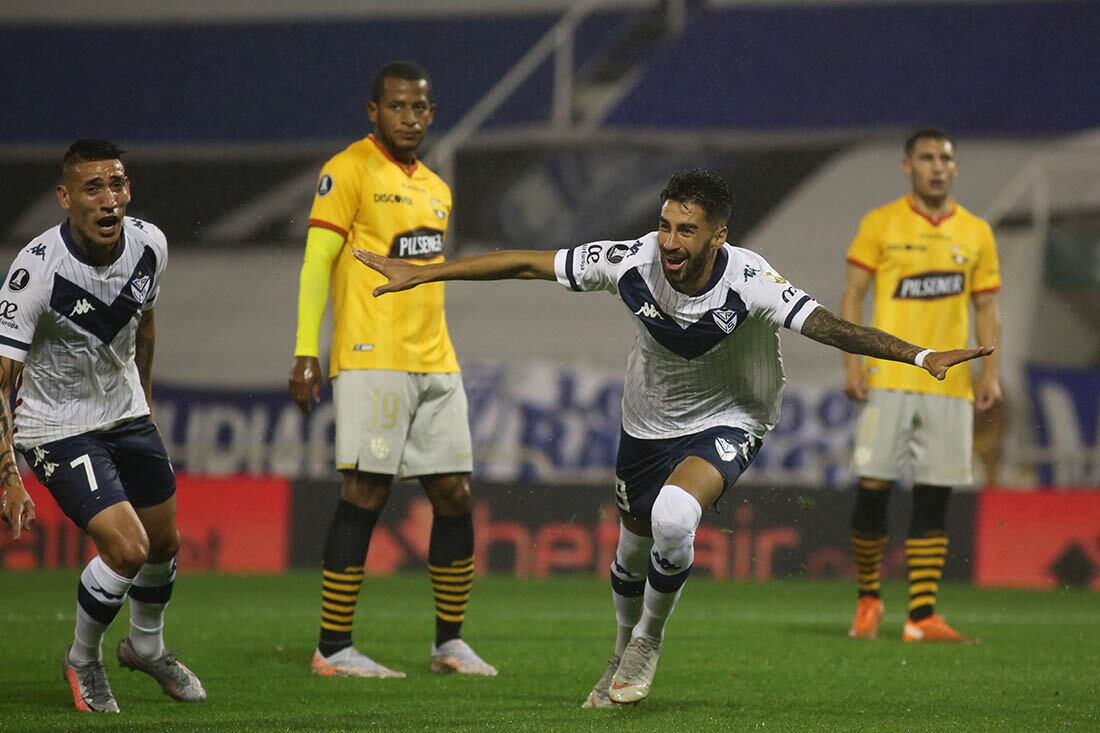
[(18, 280), (930, 285), (726, 319), (324, 186), (139, 286), (418, 244), (648, 310), (82, 306), (38, 250)]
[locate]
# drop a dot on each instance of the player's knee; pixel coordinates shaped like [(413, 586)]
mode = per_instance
[(875, 484), (675, 517), (449, 494), (126, 555), (367, 491)]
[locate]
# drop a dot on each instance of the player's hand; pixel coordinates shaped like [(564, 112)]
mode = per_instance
[(855, 383), (988, 394), (938, 362), (401, 275), (17, 508), (304, 383)]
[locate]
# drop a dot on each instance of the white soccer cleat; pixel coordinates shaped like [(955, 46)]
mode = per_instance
[(350, 662), (634, 677), (598, 697), (457, 656)]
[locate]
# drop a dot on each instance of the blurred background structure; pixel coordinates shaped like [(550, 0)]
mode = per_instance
[(558, 123)]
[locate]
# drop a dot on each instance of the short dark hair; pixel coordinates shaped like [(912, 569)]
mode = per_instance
[(703, 187), (926, 133), (407, 70), (90, 149)]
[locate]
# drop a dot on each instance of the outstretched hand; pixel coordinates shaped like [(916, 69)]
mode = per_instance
[(938, 362), (401, 275)]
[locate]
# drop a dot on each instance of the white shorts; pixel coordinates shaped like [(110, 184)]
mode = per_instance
[(933, 433), (401, 423)]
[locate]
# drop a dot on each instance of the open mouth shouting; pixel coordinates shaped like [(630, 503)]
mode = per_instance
[(107, 227), (674, 262)]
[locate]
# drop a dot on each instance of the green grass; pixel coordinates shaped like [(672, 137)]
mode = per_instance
[(768, 657)]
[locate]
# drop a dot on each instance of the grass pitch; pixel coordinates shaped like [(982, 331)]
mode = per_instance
[(768, 657)]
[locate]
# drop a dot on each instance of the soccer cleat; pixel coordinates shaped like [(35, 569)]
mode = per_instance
[(88, 682), (634, 677), (350, 662), (869, 612), (177, 681), (598, 697), (457, 656), (933, 629)]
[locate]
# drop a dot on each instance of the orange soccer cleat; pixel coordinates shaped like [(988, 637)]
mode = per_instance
[(933, 629), (869, 612)]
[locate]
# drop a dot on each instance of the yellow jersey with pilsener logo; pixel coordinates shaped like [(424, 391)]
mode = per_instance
[(384, 206), (926, 271)]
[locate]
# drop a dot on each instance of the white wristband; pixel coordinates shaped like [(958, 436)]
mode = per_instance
[(919, 358)]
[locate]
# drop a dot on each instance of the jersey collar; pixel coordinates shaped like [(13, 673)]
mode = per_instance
[(67, 238), (407, 168), (933, 220)]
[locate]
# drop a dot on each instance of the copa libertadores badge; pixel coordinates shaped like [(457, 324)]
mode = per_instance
[(324, 185)]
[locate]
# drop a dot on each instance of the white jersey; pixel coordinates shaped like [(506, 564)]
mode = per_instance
[(73, 326), (698, 361)]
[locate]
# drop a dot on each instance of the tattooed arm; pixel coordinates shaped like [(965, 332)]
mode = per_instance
[(144, 342), (16, 507), (827, 328)]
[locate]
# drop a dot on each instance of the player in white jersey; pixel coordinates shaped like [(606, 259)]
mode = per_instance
[(76, 342), (703, 386)]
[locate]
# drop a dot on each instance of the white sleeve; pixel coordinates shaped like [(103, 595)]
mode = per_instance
[(769, 296), (23, 298), (587, 268)]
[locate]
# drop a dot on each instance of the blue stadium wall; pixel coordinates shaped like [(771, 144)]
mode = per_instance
[(1004, 68)]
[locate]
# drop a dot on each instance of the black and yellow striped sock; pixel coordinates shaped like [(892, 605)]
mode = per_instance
[(867, 554), (926, 548), (869, 537), (451, 566), (342, 573), (926, 556)]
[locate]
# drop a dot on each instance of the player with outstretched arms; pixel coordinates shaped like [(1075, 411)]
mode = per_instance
[(76, 343), (703, 386)]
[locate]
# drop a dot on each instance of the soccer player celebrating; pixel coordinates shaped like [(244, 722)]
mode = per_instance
[(400, 404), (928, 258), (76, 341), (703, 386)]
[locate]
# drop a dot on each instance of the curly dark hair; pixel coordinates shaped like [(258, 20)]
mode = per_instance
[(704, 188)]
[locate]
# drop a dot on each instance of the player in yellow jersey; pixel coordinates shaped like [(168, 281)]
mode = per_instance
[(929, 260), (400, 404)]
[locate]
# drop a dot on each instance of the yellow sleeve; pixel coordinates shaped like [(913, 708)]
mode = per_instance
[(322, 247), (866, 249), (336, 200), (987, 272)]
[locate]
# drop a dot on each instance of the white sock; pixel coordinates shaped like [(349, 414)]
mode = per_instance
[(675, 517), (628, 571), (99, 596), (149, 597)]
